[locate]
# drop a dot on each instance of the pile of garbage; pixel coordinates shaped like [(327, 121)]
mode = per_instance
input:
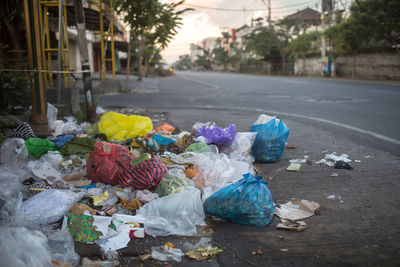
[(121, 179)]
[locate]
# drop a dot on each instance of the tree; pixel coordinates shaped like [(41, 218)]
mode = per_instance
[(265, 43), (377, 20), (151, 21), (221, 57)]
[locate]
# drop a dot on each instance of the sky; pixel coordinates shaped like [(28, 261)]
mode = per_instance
[(202, 22)]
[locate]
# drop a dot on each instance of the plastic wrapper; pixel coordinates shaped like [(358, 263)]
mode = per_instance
[(146, 196), (62, 247), (176, 214), (13, 151), (60, 141), (70, 126), (120, 127), (270, 140), (52, 115), (165, 253), (47, 168), (198, 125), (37, 147), (21, 247), (107, 162), (216, 135), (248, 201), (241, 147), (174, 181), (49, 206), (198, 147)]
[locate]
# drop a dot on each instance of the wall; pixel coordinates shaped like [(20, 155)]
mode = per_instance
[(367, 66)]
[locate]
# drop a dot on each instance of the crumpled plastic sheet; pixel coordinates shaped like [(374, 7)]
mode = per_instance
[(11, 194), (47, 167), (22, 247), (49, 206), (165, 253), (13, 151), (176, 214), (213, 171), (146, 196), (330, 159), (62, 247), (241, 147)]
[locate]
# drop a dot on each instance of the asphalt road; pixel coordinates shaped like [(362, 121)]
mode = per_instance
[(358, 223), (360, 110)]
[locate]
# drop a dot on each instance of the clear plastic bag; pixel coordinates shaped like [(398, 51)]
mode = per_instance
[(62, 247), (48, 167), (174, 181), (21, 247), (165, 253), (248, 201), (176, 214), (13, 151), (241, 147), (52, 115), (213, 172), (49, 206)]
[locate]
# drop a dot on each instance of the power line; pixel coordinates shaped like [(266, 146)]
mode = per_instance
[(244, 10)]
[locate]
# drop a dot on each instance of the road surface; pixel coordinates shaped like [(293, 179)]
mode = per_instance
[(358, 223)]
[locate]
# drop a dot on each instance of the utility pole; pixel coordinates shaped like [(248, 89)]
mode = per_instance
[(269, 13), (60, 50), (82, 42), (323, 45)]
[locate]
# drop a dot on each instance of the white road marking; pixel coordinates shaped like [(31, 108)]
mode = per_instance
[(346, 126)]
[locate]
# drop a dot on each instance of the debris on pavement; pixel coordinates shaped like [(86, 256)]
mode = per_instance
[(331, 159), (340, 164), (296, 209), (294, 167), (292, 225), (203, 253), (119, 180)]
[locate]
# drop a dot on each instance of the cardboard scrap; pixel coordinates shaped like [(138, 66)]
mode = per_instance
[(294, 226), (80, 208), (133, 204), (77, 179), (296, 209)]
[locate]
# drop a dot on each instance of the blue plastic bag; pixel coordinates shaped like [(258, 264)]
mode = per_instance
[(270, 140), (216, 135), (248, 201)]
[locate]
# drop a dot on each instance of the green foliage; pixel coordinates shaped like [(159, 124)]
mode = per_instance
[(372, 23), (302, 45), (203, 63), (220, 56), (264, 43), (184, 63)]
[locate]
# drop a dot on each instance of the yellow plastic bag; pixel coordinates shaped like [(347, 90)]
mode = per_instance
[(120, 127)]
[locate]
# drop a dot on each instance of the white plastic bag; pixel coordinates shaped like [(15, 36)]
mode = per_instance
[(62, 247), (21, 247), (174, 181), (49, 206), (52, 115), (13, 151), (176, 214)]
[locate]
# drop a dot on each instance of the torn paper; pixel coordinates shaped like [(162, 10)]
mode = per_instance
[(296, 209)]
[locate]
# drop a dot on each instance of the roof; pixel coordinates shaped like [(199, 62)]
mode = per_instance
[(306, 15)]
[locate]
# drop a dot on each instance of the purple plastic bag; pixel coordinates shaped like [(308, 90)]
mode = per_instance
[(216, 135)]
